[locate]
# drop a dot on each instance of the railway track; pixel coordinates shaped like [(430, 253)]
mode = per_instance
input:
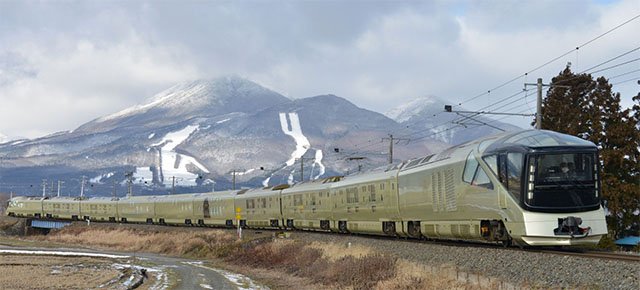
[(593, 254)]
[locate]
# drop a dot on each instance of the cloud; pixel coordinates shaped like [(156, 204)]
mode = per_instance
[(65, 63), (48, 92)]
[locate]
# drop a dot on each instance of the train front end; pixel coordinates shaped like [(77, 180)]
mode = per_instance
[(561, 197), (554, 181)]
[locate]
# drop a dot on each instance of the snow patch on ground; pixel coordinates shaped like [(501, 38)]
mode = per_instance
[(241, 281), (302, 143), (61, 253), (151, 135), (222, 121)]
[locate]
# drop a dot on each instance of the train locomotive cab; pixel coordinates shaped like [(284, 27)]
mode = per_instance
[(553, 179)]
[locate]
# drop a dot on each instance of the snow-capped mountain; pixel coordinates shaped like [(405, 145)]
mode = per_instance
[(426, 117), (4, 138), (202, 98), (197, 133)]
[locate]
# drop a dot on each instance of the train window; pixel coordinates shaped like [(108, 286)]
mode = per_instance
[(470, 168), (514, 173), (482, 179), (492, 161)]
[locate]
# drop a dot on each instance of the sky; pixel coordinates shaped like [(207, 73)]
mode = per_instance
[(64, 63)]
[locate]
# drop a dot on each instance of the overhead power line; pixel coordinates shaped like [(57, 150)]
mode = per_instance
[(626, 81), (518, 77), (610, 60)]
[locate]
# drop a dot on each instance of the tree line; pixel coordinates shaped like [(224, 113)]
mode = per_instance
[(579, 105)]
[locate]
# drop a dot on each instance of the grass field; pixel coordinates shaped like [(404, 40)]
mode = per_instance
[(277, 262)]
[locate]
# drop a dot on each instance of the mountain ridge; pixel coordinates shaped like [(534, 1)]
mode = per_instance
[(200, 131)]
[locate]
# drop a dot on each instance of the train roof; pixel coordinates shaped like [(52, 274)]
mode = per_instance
[(531, 139)]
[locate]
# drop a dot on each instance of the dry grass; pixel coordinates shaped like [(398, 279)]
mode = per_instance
[(202, 244), (333, 251), (329, 265), (323, 266)]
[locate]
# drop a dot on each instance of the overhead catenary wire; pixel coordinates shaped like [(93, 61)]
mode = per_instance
[(624, 74), (626, 81), (549, 62), (504, 84)]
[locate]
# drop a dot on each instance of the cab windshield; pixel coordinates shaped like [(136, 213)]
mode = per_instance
[(562, 181), (564, 168)]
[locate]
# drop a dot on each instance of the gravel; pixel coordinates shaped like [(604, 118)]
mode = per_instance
[(536, 270)]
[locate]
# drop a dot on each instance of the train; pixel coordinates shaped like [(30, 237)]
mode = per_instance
[(525, 188)]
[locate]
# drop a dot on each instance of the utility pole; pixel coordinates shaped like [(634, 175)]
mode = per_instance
[(539, 105), (114, 189), (233, 180), (391, 139), (129, 176), (44, 188), (302, 167), (173, 185), (539, 85), (60, 182)]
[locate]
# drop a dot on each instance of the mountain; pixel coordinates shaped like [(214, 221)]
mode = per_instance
[(202, 98), (197, 133), (426, 117)]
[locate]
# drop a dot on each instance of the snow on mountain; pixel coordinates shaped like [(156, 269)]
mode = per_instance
[(3, 138), (412, 108), (426, 116), (292, 128), (209, 128), (201, 98), (172, 164)]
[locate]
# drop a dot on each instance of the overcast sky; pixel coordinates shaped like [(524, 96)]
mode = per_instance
[(64, 63)]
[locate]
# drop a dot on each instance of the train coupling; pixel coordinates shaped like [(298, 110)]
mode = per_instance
[(570, 226)]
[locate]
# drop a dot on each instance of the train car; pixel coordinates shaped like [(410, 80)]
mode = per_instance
[(137, 209), (259, 208), (99, 209), (62, 208), (308, 205), (496, 189), (25, 206), (215, 208), (175, 209), (367, 203)]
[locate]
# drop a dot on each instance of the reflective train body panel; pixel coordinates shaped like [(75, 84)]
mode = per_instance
[(535, 188)]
